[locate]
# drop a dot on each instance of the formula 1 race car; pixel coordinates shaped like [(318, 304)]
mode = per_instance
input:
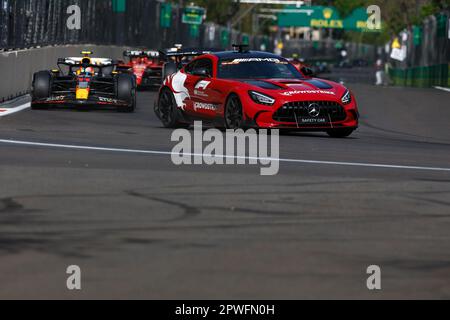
[(297, 62), (145, 65), (178, 57), (83, 82), (245, 89)]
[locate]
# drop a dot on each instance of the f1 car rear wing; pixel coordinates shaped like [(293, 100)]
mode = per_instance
[(178, 54), (141, 53), (95, 62), (186, 52), (103, 65)]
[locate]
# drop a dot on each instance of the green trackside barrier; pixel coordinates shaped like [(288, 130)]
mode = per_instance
[(438, 75)]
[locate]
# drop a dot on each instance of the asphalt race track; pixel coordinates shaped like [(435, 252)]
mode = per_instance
[(141, 227)]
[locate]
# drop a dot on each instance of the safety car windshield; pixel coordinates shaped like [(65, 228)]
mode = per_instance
[(257, 68)]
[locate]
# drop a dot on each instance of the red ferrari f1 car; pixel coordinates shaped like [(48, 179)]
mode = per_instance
[(247, 89), (145, 65)]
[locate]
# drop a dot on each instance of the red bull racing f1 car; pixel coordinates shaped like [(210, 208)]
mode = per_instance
[(83, 82), (245, 89)]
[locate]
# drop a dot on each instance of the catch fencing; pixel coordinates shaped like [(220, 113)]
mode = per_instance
[(32, 23), (329, 50), (427, 49), (34, 33)]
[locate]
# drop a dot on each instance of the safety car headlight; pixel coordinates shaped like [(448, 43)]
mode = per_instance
[(262, 98), (347, 97)]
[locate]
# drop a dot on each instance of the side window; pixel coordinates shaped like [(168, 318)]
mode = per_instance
[(204, 64), (190, 67)]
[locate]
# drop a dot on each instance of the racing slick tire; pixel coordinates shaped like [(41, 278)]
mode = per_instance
[(233, 115), (42, 87), (167, 110), (126, 91), (340, 133), (168, 69)]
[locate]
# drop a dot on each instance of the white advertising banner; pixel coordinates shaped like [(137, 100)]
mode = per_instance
[(399, 54)]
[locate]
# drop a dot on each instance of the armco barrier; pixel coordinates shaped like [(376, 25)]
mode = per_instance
[(17, 67)]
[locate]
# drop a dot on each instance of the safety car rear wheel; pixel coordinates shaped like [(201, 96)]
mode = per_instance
[(167, 110)]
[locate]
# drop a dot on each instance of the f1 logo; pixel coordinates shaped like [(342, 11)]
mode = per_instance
[(202, 85)]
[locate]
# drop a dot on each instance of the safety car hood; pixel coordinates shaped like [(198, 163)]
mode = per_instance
[(301, 88)]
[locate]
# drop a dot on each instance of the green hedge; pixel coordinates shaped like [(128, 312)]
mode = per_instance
[(422, 76)]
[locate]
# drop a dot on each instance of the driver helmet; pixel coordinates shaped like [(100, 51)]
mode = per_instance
[(86, 62), (86, 65)]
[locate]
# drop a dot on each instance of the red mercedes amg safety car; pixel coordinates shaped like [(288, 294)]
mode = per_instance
[(247, 89)]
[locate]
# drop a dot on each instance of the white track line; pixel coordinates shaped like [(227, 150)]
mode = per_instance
[(443, 89), (7, 111), (165, 153)]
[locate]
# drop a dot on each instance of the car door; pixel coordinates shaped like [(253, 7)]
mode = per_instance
[(201, 89), (188, 85)]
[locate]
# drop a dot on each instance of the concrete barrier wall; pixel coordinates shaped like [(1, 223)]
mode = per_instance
[(17, 67)]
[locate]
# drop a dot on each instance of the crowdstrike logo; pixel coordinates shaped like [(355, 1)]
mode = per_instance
[(234, 147), (296, 92)]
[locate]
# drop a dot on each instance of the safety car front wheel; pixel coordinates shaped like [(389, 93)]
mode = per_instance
[(234, 115), (340, 133)]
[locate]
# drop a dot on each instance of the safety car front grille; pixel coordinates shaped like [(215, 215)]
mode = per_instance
[(296, 111)]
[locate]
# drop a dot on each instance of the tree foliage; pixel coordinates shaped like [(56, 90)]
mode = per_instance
[(219, 11), (396, 15)]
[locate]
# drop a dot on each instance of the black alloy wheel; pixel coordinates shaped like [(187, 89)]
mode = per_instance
[(234, 116)]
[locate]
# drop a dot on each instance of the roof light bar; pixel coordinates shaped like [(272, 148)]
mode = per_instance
[(295, 2)]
